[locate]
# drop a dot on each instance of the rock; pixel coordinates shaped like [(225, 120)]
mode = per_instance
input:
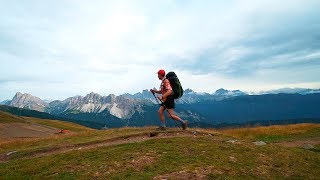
[(308, 146), (12, 152), (152, 134), (259, 143), (232, 141), (232, 159)]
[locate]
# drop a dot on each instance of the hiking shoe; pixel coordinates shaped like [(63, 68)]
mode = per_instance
[(184, 125), (161, 128)]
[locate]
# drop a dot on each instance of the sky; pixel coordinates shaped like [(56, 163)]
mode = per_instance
[(63, 48)]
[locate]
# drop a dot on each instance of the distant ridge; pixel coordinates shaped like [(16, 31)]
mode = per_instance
[(36, 114)]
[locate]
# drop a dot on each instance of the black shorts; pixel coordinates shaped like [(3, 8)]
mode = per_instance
[(169, 103)]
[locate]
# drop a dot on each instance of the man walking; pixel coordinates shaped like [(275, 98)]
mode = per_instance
[(167, 100)]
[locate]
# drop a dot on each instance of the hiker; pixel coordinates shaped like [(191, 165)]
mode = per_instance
[(167, 100)]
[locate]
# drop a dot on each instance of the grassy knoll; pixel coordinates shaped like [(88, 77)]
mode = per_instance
[(195, 157)]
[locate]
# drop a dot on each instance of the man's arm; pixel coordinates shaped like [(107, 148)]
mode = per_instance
[(168, 93)]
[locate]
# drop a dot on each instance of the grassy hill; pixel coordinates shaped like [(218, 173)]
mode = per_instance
[(28, 113), (10, 118), (59, 124), (42, 115), (13, 127), (141, 153)]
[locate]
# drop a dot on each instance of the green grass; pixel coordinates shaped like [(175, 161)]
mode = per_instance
[(272, 138), (316, 148), (208, 156), (192, 156), (275, 133), (59, 124), (310, 133), (9, 118)]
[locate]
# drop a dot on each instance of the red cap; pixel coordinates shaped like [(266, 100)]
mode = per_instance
[(162, 72)]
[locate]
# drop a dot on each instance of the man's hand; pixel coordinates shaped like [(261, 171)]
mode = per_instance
[(151, 90)]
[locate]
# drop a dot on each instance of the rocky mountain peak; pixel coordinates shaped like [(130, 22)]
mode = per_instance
[(221, 91), (18, 94), (28, 101), (92, 98), (145, 92), (188, 91), (111, 98)]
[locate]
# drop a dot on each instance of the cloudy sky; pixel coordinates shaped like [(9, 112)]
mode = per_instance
[(62, 48)]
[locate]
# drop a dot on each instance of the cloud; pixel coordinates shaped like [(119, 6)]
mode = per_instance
[(269, 51), (116, 46)]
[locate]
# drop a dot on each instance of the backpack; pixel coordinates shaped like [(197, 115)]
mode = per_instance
[(175, 84)]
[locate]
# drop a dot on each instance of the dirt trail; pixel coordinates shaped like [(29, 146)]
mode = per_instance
[(108, 142)]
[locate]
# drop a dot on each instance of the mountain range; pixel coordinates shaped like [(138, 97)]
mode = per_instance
[(201, 109), (302, 91), (94, 102)]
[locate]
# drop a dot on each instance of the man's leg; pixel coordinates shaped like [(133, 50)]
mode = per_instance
[(161, 116), (177, 118), (173, 116)]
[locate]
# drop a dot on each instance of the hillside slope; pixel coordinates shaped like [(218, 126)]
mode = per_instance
[(42, 115), (12, 126), (10, 118), (141, 153)]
